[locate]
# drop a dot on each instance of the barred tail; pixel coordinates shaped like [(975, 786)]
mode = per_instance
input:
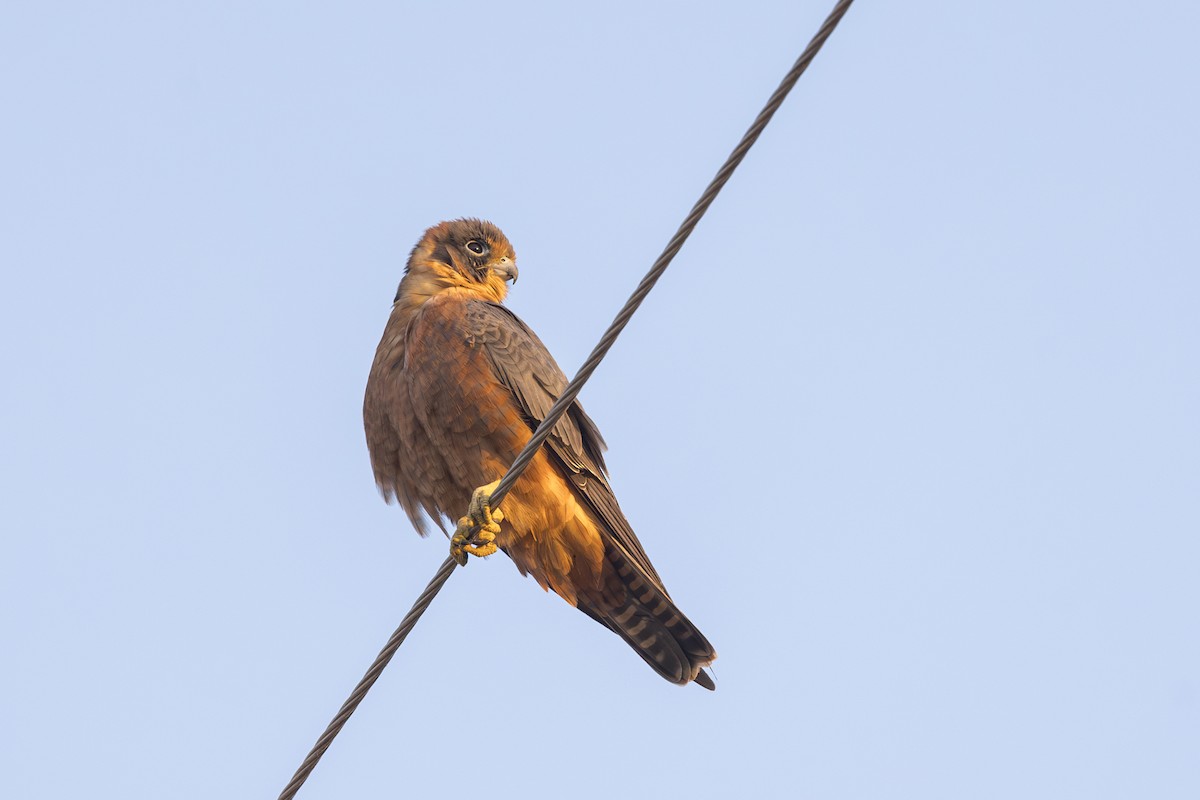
[(642, 614)]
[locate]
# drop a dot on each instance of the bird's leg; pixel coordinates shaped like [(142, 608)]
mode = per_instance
[(476, 532)]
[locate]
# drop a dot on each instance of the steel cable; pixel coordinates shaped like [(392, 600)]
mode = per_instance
[(573, 388)]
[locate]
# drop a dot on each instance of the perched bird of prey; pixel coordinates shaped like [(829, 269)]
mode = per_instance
[(457, 387)]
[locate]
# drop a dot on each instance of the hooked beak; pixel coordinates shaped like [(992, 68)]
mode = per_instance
[(506, 268)]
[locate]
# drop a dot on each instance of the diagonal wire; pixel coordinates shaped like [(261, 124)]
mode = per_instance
[(573, 388), (660, 265)]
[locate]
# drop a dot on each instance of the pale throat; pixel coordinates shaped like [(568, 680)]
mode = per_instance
[(418, 287)]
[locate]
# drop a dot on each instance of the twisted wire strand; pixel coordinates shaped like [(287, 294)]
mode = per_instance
[(573, 388), (664, 260), (368, 680)]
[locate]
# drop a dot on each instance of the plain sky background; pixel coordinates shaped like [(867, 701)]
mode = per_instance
[(910, 428)]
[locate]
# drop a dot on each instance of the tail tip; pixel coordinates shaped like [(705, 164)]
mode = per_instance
[(705, 680)]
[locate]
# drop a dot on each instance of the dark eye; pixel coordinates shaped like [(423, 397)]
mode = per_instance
[(477, 247)]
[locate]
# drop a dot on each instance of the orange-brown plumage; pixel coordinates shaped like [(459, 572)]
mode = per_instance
[(457, 386)]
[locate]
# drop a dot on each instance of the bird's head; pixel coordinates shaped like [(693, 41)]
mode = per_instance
[(467, 254)]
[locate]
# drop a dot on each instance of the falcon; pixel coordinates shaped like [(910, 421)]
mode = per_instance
[(457, 387)]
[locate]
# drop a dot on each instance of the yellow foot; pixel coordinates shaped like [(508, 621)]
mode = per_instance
[(476, 532)]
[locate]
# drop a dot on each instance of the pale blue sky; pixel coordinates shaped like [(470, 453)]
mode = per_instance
[(910, 428)]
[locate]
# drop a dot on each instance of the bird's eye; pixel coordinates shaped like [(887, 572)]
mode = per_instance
[(477, 247)]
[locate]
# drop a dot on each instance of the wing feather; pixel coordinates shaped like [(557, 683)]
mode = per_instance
[(523, 364)]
